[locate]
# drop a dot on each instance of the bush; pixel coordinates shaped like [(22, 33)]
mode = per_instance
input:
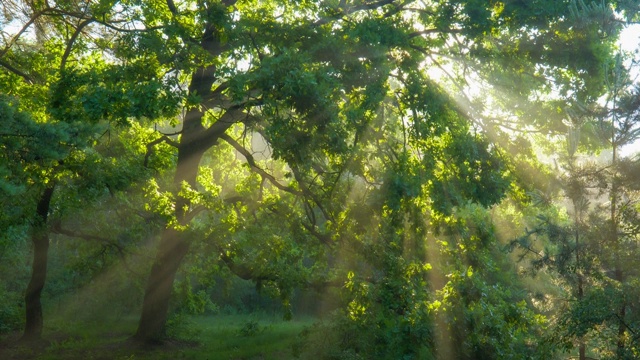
[(250, 328)]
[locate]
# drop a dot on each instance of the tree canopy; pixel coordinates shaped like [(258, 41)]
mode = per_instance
[(385, 152)]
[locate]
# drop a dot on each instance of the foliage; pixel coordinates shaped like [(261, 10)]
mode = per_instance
[(482, 300), (592, 248), (322, 144)]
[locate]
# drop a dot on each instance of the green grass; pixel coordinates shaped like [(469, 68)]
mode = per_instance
[(222, 337), (230, 337)]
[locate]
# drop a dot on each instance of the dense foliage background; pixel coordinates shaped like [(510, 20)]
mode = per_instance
[(406, 179)]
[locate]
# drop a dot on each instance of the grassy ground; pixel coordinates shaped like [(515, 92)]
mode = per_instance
[(224, 337)]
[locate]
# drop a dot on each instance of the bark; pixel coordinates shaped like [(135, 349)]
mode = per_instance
[(155, 306), (173, 246), (40, 238), (195, 139)]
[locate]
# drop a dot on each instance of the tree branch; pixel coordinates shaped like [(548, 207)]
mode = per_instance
[(193, 213), (155, 128), (16, 71), (17, 135), (24, 28), (163, 138), (434, 31), (75, 35), (324, 238), (57, 228), (172, 7), (252, 163), (307, 192), (351, 10), (242, 271)]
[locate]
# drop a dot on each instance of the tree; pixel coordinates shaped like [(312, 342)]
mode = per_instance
[(340, 92), (310, 78), (593, 248), (19, 127), (45, 140)]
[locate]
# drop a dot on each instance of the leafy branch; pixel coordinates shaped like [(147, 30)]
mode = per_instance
[(151, 145), (252, 164)]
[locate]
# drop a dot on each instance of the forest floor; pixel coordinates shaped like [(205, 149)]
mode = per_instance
[(223, 337)]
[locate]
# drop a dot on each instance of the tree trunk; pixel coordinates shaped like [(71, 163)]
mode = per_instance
[(619, 273), (171, 251), (582, 348), (173, 246), (155, 306), (40, 239), (621, 330)]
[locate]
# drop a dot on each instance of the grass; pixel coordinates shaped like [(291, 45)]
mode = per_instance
[(221, 337), (246, 337)]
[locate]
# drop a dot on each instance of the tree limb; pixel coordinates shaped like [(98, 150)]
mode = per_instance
[(307, 192), (232, 116), (24, 28), (193, 213), (242, 271), (57, 228), (16, 71), (75, 35), (324, 238), (172, 7), (163, 138), (252, 163), (351, 10), (434, 31)]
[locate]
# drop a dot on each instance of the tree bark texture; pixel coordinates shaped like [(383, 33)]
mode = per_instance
[(40, 238), (155, 306)]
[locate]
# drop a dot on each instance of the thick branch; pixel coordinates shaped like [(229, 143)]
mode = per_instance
[(172, 7), (57, 228), (246, 273), (434, 31), (242, 271), (18, 72), (73, 39), (217, 100), (193, 213)]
